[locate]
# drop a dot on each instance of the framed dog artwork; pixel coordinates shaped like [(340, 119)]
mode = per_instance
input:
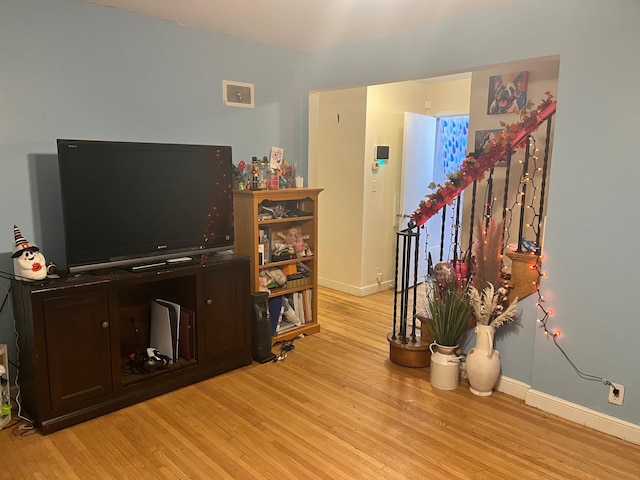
[(483, 139), (507, 93)]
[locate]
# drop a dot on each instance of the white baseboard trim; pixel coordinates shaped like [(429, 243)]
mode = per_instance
[(353, 290), (573, 412), (379, 287), (584, 416), (512, 387)]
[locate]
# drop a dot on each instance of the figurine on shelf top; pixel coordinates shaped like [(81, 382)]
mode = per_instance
[(28, 262), (255, 172)]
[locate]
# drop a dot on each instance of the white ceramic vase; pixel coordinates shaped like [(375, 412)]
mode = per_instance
[(444, 369), (483, 363)]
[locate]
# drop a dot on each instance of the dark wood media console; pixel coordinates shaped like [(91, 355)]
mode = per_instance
[(76, 335)]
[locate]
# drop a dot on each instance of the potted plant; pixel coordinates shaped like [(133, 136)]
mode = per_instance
[(449, 313)]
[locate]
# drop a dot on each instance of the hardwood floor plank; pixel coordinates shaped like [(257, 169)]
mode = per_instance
[(336, 408)]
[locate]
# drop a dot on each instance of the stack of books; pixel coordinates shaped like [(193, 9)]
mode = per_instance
[(290, 311)]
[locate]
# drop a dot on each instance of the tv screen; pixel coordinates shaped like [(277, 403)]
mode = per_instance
[(127, 203)]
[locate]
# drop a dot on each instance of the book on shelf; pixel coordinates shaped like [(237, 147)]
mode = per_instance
[(300, 303), (187, 334), (307, 298), (299, 307), (276, 309)]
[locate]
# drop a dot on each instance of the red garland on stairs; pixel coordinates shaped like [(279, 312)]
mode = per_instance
[(474, 168)]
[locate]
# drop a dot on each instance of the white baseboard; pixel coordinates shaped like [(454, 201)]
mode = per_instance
[(353, 290), (570, 411), (512, 387), (378, 287)]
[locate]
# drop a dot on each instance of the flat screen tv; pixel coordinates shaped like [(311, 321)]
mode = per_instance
[(133, 204)]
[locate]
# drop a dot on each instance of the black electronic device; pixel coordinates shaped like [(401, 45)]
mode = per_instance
[(148, 360), (261, 329), (382, 152), (127, 203)]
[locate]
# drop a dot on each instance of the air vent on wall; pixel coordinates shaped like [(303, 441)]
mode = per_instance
[(238, 94)]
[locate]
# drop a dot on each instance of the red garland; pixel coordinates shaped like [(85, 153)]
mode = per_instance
[(473, 168)]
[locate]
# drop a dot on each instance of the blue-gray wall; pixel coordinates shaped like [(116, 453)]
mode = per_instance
[(72, 69), (591, 230)]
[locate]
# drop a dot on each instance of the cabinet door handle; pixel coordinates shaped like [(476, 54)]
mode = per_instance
[(209, 301), (105, 324)]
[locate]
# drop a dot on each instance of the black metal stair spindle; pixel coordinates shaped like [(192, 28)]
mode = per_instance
[(523, 197), (415, 282), (469, 258), (507, 173), (488, 205), (403, 291), (395, 297), (545, 164), (456, 227)]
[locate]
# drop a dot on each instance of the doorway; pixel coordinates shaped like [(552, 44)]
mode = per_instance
[(359, 205), (360, 201)]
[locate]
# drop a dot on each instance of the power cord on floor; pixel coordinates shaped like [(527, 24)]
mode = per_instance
[(285, 347), (24, 424)]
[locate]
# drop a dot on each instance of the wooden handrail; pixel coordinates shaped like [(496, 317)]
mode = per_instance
[(474, 168)]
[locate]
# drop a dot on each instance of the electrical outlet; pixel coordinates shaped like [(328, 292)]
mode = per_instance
[(379, 274), (616, 394)]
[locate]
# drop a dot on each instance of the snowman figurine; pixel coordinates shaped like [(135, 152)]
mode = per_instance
[(28, 263)]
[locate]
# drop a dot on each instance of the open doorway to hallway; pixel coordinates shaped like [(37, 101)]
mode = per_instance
[(359, 205)]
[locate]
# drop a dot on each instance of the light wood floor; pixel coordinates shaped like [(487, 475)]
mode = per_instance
[(336, 408)]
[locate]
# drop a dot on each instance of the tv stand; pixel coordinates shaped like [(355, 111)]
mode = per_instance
[(76, 335)]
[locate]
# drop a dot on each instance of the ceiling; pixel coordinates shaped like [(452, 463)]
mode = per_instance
[(304, 24)]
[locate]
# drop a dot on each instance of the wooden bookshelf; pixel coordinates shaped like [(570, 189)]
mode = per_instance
[(301, 207)]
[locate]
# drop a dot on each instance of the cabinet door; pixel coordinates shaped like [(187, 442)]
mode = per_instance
[(77, 336), (227, 311)]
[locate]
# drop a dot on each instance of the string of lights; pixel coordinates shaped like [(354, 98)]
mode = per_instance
[(534, 224), (554, 334), (528, 179), (525, 198)]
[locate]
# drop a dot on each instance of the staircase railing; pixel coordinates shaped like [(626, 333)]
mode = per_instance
[(476, 165), (447, 196)]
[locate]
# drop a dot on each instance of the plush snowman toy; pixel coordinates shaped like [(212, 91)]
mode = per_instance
[(28, 263)]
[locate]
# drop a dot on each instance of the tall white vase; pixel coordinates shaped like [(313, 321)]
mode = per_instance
[(483, 363), (444, 369)]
